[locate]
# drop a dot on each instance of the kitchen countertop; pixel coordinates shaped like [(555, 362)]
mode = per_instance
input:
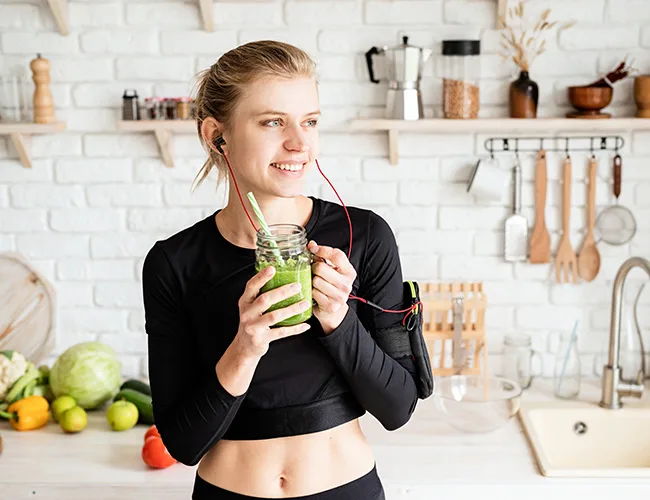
[(425, 459)]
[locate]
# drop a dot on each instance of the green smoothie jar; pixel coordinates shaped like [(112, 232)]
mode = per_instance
[(286, 250)]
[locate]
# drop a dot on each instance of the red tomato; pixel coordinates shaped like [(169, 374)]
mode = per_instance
[(154, 453)]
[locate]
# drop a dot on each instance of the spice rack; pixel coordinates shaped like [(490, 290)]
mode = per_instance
[(21, 132), (438, 326), (490, 125)]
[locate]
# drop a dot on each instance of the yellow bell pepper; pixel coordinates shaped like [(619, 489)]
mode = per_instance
[(28, 413)]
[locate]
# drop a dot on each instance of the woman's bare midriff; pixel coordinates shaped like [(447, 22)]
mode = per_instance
[(289, 466)]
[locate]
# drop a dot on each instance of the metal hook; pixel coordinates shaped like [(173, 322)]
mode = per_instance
[(541, 143), (603, 143), (566, 146), (591, 147), (506, 145)]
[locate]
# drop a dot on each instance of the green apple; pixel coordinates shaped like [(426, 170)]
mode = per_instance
[(122, 415), (73, 419), (61, 404)]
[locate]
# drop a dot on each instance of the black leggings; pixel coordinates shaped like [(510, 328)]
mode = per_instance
[(367, 487)]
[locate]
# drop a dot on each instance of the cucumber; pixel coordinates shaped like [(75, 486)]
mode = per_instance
[(142, 403), (137, 385)]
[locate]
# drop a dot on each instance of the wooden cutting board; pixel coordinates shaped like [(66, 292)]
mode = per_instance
[(27, 308)]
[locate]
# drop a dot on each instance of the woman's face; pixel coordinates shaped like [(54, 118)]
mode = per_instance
[(273, 138)]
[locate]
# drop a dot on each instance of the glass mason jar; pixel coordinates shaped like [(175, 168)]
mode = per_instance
[(517, 359), (461, 71), (286, 250)]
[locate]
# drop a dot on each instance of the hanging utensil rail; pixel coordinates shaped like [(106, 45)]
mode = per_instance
[(518, 144)]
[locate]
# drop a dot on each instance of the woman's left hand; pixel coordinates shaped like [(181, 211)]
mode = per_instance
[(332, 279)]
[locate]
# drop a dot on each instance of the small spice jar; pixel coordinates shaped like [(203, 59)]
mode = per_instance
[(285, 248), (184, 108), (461, 71), (169, 105)]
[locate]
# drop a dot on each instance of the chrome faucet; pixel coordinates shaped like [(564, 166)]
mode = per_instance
[(614, 386)]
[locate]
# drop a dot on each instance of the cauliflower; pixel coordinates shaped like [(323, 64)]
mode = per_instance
[(12, 366)]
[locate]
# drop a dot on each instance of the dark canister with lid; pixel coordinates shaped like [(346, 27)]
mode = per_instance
[(130, 107)]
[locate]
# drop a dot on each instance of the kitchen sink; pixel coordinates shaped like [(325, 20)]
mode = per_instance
[(584, 440)]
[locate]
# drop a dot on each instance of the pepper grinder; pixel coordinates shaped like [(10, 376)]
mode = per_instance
[(43, 101)]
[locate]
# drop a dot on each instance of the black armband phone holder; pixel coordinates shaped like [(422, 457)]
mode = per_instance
[(407, 340)]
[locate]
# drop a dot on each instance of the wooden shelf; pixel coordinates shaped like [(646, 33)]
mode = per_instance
[(207, 8), (492, 125), (163, 130), (21, 132), (60, 11)]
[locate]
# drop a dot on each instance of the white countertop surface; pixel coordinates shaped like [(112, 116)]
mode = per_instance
[(425, 459)]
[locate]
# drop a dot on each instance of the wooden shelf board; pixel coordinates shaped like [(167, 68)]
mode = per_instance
[(30, 128), (549, 125)]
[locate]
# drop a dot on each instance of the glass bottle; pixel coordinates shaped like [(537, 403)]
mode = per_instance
[(567, 374), (285, 248)]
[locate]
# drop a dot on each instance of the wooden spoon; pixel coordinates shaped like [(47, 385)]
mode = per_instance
[(589, 257), (540, 241)]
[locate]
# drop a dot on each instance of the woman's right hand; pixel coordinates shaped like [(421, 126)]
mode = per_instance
[(255, 332)]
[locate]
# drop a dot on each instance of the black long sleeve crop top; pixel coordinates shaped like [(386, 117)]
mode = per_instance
[(192, 282)]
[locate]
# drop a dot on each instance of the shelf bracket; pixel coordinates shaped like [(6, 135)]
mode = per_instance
[(501, 12), (21, 143), (164, 138), (207, 8), (393, 149), (60, 11)]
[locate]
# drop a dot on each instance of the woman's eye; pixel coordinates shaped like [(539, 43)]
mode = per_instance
[(273, 123), (312, 123)]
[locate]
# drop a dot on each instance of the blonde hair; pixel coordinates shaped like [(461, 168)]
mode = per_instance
[(221, 86)]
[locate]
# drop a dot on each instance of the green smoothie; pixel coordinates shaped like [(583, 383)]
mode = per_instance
[(294, 270)]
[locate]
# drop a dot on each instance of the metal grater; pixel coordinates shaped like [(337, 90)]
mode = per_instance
[(516, 227)]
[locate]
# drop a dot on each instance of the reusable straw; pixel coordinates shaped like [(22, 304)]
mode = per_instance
[(263, 224), (568, 353)]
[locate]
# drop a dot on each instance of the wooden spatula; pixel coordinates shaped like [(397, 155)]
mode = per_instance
[(540, 241), (565, 260), (589, 257)]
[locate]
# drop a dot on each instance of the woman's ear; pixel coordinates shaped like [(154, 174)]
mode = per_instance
[(211, 131)]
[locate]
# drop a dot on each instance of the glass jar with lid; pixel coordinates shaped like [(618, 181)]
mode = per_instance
[(517, 357), (461, 72), (285, 248)]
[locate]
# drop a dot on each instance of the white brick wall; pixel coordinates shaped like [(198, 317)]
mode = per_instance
[(96, 199)]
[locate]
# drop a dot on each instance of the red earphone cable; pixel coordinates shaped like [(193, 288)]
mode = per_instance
[(365, 301)]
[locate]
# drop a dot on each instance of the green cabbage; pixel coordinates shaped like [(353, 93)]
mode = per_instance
[(89, 372)]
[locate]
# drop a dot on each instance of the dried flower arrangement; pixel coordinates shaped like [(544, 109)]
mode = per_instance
[(519, 44)]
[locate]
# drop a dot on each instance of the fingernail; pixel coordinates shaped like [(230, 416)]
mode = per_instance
[(304, 304), (296, 287), (270, 270)]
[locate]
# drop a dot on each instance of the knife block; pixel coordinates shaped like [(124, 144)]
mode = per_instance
[(438, 326)]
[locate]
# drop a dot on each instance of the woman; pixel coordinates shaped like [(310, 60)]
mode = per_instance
[(272, 412)]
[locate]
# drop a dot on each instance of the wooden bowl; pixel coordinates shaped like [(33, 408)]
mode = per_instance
[(642, 95), (590, 100)]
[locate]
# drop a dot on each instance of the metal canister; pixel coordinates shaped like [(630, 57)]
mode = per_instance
[(130, 107)]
